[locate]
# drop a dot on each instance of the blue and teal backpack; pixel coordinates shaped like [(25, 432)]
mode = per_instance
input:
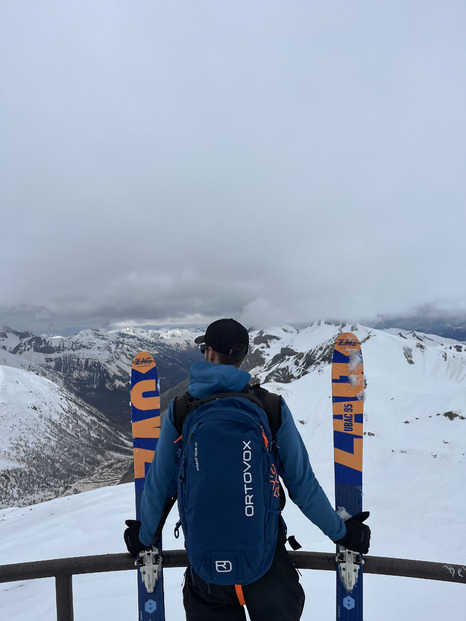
[(228, 490)]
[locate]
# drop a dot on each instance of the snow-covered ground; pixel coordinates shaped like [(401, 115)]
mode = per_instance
[(414, 467), (93, 522)]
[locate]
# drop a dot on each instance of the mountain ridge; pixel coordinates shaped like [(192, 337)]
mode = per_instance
[(80, 373)]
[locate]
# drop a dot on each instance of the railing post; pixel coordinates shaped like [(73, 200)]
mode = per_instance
[(64, 597)]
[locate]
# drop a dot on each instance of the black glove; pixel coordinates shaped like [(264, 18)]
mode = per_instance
[(131, 536), (358, 535)]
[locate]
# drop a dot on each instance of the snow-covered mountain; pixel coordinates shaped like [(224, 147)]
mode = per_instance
[(414, 465), (49, 439), (415, 407), (95, 364), (64, 407)]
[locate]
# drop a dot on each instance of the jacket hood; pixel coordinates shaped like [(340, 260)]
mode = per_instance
[(208, 378)]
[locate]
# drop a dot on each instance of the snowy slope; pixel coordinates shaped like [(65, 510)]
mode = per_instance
[(414, 461), (94, 366), (92, 523), (415, 436), (64, 406), (48, 438)]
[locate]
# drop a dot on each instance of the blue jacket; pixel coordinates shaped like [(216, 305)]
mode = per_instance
[(207, 378)]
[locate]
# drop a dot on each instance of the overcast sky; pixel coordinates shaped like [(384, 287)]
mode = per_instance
[(168, 162)]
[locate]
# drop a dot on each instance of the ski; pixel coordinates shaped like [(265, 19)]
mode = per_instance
[(145, 417), (348, 404)]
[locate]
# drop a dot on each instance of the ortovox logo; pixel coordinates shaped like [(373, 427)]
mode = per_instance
[(247, 480), (275, 481), (223, 566)]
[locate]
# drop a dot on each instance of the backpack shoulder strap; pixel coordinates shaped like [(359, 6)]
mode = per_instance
[(181, 405), (271, 403)]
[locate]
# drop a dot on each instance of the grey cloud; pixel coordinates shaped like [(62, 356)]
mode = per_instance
[(173, 163)]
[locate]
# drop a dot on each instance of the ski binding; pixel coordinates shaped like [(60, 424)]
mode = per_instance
[(349, 563), (150, 565)]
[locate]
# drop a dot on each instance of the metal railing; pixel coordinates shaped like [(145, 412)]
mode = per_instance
[(63, 570)]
